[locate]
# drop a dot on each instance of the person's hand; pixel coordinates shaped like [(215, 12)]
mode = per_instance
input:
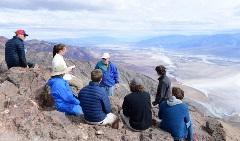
[(117, 86), (154, 103)]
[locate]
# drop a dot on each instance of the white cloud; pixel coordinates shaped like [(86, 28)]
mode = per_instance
[(61, 18)]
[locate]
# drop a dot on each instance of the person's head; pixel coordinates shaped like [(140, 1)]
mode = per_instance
[(59, 49), (96, 75), (161, 70), (105, 58), (20, 33), (178, 93), (136, 85)]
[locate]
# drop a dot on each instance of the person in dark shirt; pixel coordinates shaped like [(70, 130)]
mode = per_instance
[(164, 86), (136, 109), (15, 51)]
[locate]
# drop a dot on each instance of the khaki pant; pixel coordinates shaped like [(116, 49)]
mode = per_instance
[(109, 120), (76, 82)]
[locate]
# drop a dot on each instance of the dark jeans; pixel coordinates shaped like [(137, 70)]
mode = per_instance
[(30, 65)]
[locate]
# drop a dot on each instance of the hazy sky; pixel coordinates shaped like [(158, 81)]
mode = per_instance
[(118, 18)]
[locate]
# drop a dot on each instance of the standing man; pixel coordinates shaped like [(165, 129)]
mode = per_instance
[(110, 74), (15, 51), (164, 86)]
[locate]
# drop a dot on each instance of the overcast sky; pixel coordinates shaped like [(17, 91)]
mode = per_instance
[(118, 18)]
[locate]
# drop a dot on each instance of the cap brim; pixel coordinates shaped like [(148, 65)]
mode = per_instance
[(68, 69), (105, 57), (25, 34)]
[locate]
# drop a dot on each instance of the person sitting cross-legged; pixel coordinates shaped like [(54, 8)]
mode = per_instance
[(95, 102)]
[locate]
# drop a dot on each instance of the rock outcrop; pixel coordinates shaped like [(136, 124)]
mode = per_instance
[(27, 113)]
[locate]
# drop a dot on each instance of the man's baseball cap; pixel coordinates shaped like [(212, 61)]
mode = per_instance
[(21, 32)]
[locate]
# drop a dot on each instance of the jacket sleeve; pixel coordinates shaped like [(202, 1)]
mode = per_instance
[(115, 75), (149, 100), (161, 91), (67, 95), (21, 54), (187, 117), (126, 108), (106, 104), (97, 66)]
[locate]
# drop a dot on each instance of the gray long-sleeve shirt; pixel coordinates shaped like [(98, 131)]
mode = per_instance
[(164, 89)]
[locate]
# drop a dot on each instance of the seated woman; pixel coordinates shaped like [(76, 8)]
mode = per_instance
[(59, 51), (136, 107), (63, 97), (175, 116)]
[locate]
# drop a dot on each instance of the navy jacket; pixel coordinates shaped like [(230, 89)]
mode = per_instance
[(110, 76), (94, 102), (62, 94), (15, 53), (137, 106), (174, 119)]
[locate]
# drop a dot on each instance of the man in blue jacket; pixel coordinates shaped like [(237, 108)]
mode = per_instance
[(110, 74), (63, 97), (15, 51), (95, 102)]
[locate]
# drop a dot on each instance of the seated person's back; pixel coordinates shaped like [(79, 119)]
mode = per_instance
[(175, 115), (137, 107), (95, 102)]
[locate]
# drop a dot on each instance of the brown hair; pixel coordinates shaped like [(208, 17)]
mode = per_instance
[(178, 93), (57, 48), (161, 70), (96, 75), (136, 88)]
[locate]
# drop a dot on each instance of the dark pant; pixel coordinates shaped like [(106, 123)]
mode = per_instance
[(30, 65)]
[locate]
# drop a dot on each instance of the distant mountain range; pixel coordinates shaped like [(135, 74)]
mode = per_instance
[(221, 45), (90, 41)]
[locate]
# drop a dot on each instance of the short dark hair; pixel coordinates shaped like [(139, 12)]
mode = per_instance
[(178, 93), (136, 88), (96, 75), (161, 70)]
